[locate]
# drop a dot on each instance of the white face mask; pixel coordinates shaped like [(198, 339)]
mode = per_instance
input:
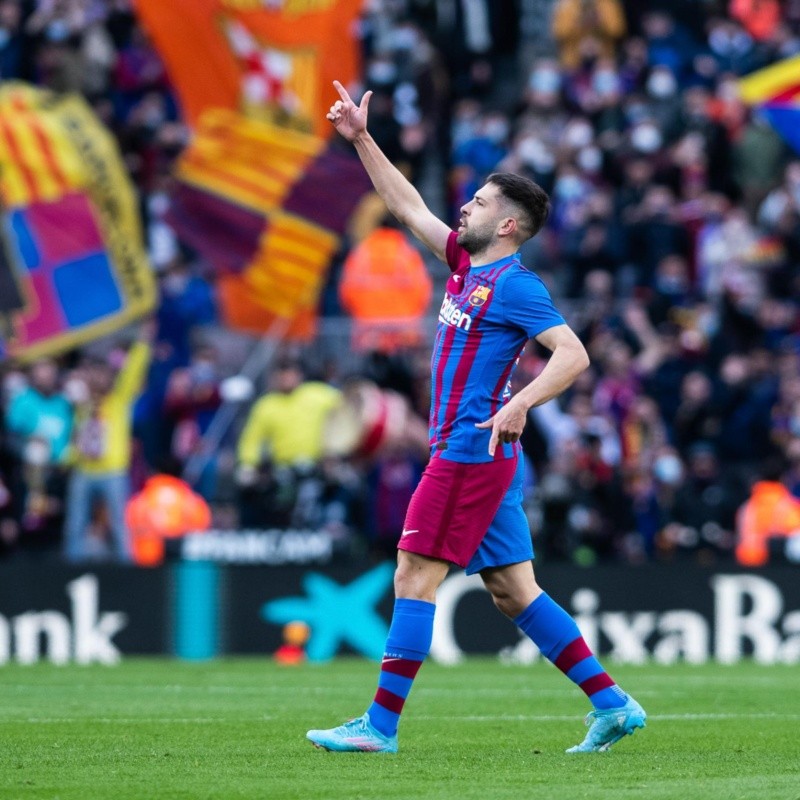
[(175, 284), (496, 130), (662, 84), (646, 138), (590, 159), (76, 391), (57, 31), (668, 469), (158, 204), (569, 187), (535, 155), (404, 39), (13, 384), (578, 134), (36, 452), (545, 80), (605, 82), (382, 72)]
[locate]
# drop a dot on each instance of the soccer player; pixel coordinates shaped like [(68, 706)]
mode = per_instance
[(467, 509)]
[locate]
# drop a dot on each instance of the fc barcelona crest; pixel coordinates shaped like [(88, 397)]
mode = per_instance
[(480, 296)]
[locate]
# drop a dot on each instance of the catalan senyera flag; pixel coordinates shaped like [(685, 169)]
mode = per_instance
[(72, 263), (775, 92), (272, 60), (266, 206)]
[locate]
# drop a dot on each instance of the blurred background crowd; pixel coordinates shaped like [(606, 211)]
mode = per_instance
[(673, 249)]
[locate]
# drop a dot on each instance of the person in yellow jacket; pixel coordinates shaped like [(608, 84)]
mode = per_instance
[(587, 26), (286, 424), (770, 511), (101, 451)]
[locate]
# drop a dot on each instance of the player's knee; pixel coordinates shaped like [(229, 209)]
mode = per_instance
[(506, 603), (413, 586), (414, 583)]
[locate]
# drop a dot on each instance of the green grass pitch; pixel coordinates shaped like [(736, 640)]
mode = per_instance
[(235, 729)]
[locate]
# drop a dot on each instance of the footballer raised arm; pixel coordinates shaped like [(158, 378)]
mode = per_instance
[(401, 198)]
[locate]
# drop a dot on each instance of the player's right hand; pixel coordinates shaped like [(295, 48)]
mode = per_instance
[(349, 119)]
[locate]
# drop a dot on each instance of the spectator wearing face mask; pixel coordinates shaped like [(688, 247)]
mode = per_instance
[(186, 301), (702, 517), (663, 101), (12, 51), (591, 247), (41, 413), (655, 232), (668, 44), (671, 289), (697, 417), (191, 401), (545, 82), (758, 157), (39, 422), (732, 47), (486, 147), (783, 201)]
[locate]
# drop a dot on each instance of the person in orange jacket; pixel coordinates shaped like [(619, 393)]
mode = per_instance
[(770, 511), (386, 288), (166, 508), (760, 18)]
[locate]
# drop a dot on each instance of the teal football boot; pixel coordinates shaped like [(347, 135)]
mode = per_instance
[(356, 736), (609, 726)]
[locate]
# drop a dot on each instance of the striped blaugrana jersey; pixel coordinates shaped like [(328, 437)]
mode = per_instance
[(487, 315)]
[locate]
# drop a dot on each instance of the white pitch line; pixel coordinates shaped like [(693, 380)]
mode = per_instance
[(524, 691), (571, 717), (423, 718), (138, 720)]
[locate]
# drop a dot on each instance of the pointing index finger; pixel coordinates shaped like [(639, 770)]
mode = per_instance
[(493, 440), (342, 92)]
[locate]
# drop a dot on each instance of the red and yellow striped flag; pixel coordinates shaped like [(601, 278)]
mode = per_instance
[(264, 182)]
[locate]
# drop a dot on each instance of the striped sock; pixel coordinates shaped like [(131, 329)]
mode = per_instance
[(555, 633), (406, 647)]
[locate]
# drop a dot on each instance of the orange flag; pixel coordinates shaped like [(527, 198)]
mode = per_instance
[(270, 61)]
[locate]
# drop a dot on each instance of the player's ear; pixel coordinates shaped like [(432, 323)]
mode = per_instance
[(508, 227)]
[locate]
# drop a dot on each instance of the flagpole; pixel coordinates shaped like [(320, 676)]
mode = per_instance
[(256, 363)]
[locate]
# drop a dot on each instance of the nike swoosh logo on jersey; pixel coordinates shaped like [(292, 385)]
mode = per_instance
[(408, 533)]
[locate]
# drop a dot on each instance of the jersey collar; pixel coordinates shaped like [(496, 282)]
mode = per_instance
[(495, 264)]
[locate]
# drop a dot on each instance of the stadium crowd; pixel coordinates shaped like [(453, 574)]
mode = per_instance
[(673, 247)]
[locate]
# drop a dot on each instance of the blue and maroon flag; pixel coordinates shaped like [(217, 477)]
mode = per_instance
[(72, 263)]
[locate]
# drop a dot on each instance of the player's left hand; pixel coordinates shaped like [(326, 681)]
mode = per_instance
[(507, 424)]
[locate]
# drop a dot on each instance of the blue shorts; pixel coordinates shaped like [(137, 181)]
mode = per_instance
[(508, 540)]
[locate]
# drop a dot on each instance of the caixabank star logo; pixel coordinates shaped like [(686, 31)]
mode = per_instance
[(338, 614)]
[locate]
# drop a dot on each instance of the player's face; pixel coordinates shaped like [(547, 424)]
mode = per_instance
[(480, 219)]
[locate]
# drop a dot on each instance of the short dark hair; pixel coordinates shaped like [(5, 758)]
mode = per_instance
[(530, 199)]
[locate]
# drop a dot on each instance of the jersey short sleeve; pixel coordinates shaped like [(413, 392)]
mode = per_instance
[(527, 303), (457, 256)]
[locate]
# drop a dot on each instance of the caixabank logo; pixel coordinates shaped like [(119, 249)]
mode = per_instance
[(200, 610), (656, 615), (85, 635), (67, 615), (729, 617)]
